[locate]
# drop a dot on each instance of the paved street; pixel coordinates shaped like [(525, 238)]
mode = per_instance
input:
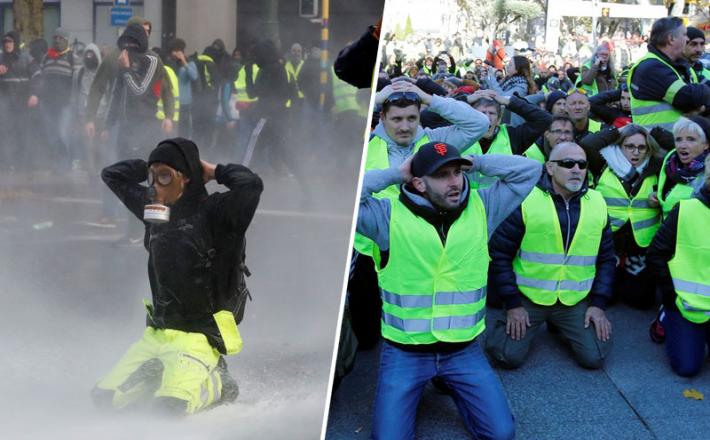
[(636, 395), (71, 304)]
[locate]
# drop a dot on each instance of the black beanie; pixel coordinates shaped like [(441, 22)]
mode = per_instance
[(552, 98), (693, 33), (704, 125), (171, 155)]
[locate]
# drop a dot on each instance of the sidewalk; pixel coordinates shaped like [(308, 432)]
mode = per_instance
[(635, 396)]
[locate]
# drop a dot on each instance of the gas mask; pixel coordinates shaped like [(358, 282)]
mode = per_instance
[(165, 188)]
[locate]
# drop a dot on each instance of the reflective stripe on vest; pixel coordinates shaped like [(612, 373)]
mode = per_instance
[(676, 194), (434, 292), (650, 114), (294, 73), (176, 94), (206, 59), (240, 84), (543, 271), (378, 159), (344, 95), (500, 145), (688, 267), (645, 220)]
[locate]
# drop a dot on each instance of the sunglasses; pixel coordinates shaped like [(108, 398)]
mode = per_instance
[(163, 178), (399, 98), (570, 163)]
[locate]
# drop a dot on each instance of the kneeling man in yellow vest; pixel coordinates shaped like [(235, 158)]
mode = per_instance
[(553, 261), (431, 258)]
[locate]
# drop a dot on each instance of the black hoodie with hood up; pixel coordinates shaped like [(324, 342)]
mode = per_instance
[(187, 280), (16, 81)]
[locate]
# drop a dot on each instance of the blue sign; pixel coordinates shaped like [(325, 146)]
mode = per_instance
[(121, 2), (120, 15)]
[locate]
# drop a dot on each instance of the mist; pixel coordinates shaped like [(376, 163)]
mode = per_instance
[(71, 301)]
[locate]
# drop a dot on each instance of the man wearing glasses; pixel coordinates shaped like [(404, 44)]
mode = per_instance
[(397, 137), (195, 245), (553, 262)]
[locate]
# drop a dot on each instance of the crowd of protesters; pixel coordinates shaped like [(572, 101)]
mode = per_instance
[(70, 107), (615, 214)]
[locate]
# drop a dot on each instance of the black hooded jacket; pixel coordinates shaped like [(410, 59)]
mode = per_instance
[(506, 240), (186, 267), (15, 82)]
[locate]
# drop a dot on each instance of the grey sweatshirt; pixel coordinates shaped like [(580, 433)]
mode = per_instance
[(517, 175), (468, 125)]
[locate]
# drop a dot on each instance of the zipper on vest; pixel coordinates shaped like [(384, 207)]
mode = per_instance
[(566, 249)]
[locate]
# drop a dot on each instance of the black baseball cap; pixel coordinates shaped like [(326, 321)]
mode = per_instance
[(434, 155)]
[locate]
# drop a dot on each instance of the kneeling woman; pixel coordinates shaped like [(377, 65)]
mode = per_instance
[(679, 256), (625, 163)]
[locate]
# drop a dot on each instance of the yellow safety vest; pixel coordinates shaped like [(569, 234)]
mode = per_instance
[(378, 159), (544, 272), (240, 84), (645, 220), (689, 265), (176, 94), (432, 291)]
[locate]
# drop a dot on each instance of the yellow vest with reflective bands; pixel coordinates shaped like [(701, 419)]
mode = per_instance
[(500, 145), (649, 114), (680, 191), (544, 272), (240, 84), (344, 96), (160, 114), (645, 220), (378, 159), (689, 265), (206, 59), (432, 291)]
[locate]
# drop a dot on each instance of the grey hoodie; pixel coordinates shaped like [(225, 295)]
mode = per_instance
[(83, 79), (517, 175), (468, 126)]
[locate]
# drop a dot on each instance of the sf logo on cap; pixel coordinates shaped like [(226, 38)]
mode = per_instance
[(440, 149)]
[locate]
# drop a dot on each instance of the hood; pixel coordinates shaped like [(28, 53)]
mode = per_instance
[(95, 49), (195, 191), (134, 34), (14, 36)]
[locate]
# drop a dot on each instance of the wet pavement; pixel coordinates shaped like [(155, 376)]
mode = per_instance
[(72, 304)]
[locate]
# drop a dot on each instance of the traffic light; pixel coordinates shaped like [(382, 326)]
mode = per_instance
[(605, 12)]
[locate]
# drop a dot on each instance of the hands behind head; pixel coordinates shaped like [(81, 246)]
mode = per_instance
[(406, 169), (401, 86)]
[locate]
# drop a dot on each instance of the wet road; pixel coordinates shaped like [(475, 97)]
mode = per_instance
[(71, 304)]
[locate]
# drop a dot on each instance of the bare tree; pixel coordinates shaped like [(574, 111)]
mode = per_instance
[(28, 18)]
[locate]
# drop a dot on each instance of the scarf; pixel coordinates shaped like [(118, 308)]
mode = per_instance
[(54, 53), (513, 81), (684, 174), (620, 165)]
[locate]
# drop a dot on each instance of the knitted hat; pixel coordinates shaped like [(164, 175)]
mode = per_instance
[(552, 98), (61, 32), (693, 33), (169, 154), (704, 125)]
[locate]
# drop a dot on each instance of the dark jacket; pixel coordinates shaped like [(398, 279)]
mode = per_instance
[(651, 80), (602, 111), (16, 82), (505, 243), (356, 62), (54, 81), (662, 250), (184, 285)]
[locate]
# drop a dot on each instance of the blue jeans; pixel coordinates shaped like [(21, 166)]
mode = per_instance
[(476, 390), (685, 343)]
